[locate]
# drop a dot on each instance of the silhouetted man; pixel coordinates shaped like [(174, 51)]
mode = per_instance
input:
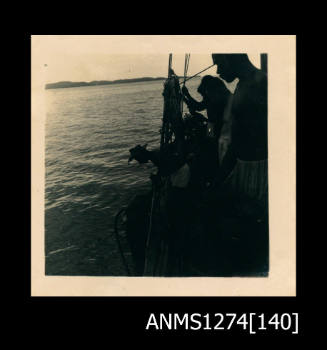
[(215, 96), (246, 160)]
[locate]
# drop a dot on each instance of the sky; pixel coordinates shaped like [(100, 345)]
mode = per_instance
[(87, 58)]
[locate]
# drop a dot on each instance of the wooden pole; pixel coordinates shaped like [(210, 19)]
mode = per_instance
[(264, 62)]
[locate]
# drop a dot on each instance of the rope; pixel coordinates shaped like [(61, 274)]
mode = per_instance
[(165, 138), (149, 232), (151, 217), (186, 63), (196, 74), (118, 242), (166, 134)]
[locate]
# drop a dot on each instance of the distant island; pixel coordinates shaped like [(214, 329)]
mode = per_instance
[(69, 84)]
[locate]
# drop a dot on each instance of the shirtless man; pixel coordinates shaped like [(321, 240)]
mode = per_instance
[(215, 96), (246, 160)]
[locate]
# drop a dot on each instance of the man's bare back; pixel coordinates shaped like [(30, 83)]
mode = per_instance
[(249, 109)]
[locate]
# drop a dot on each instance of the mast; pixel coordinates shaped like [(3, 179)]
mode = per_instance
[(172, 115), (264, 59)]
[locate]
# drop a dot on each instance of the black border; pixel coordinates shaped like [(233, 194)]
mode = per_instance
[(129, 314)]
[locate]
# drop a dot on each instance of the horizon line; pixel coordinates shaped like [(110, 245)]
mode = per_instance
[(92, 81)]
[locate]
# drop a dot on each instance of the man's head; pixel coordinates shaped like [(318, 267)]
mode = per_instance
[(212, 88), (205, 83), (231, 66)]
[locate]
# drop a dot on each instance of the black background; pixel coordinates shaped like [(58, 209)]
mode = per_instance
[(58, 321)]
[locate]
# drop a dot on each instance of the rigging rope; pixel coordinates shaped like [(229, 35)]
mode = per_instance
[(196, 74), (186, 63), (123, 210), (149, 232), (173, 108), (187, 60)]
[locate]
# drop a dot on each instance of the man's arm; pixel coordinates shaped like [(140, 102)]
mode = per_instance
[(191, 102), (167, 162), (142, 155)]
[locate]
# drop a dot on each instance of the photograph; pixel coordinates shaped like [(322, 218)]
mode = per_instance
[(155, 162)]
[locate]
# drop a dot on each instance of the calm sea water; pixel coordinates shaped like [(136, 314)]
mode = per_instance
[(89, 131)]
